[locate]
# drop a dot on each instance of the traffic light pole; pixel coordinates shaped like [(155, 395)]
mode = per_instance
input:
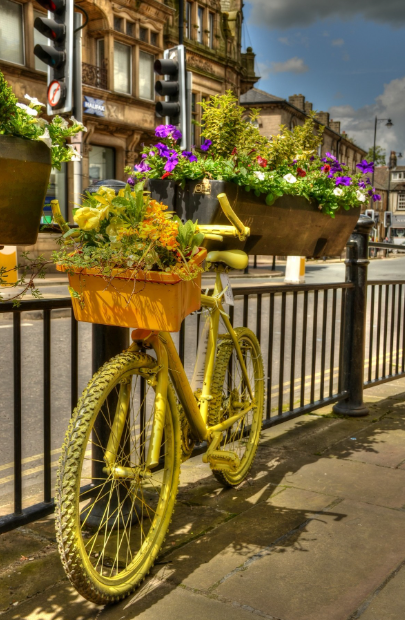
[(77, 103)]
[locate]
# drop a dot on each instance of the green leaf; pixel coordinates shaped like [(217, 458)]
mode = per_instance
[(270, 198)]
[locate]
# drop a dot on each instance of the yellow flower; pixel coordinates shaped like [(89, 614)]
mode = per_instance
[(87, 218), (104, 212), (108, 192)]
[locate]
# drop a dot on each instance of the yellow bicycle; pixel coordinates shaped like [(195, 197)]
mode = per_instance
[(136, 421)]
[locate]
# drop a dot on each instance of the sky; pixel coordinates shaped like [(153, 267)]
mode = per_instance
[(346, 57)]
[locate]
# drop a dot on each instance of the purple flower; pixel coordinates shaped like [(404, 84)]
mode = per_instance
[(142, 167), (163, 150), (312, 158), (144, 155), (362, 184), (343, 181), (365, 167), (376, 197), (206, 145), (171, 163), (130, 181), (190, 156), (176, 134), (330, 156), (163, 131)]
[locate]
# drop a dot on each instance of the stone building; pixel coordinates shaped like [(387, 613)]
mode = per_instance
[(396, 198), (120, 44), (275, 111)]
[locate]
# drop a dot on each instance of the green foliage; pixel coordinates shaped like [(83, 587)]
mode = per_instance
[(224, 122), (188, 236), (22, 121), (380, 154)]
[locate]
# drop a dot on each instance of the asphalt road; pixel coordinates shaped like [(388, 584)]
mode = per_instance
[(32, 378)]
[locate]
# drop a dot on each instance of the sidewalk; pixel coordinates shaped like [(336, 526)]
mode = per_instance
[(316, 533)]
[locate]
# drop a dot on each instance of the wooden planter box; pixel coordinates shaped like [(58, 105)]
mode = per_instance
[(154, 300), (291, 226), (25, 167)]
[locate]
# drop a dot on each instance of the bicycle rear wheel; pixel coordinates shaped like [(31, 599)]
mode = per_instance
[(229, 392), (111, 526)]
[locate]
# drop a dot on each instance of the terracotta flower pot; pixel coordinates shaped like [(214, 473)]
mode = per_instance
[(291, 226), (25, 167)]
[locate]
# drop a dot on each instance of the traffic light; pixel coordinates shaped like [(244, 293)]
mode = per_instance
[(173, 88), (58, 55), (387, 219)]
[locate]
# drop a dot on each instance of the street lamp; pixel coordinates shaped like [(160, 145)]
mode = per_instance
[(389, 123)]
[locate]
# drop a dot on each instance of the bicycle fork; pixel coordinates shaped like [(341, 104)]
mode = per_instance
[(158, 376)]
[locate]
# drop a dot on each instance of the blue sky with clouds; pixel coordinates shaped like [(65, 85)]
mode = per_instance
[(346, 58)]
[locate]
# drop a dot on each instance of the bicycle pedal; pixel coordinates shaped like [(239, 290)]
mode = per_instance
[(223, 460)]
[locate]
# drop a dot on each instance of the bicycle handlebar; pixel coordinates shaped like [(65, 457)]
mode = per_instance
[(242, 230)]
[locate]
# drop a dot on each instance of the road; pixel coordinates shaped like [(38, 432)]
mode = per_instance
[(32, 384)]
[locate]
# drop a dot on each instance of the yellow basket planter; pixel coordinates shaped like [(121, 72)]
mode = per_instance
[(153, 300)]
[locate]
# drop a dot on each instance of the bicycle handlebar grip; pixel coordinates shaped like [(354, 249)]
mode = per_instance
[(243, 231)]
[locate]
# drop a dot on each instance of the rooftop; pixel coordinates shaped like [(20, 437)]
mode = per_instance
[(254, 95)]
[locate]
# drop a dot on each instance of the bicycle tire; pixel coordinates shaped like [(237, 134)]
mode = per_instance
[(221, 393), (79, 560)]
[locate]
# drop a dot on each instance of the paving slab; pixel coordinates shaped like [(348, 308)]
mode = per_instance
[(207, 560), (162, 601), (14, 546), (388, 603), (58, 602), (341, 478), (382, 443), (326, 570)]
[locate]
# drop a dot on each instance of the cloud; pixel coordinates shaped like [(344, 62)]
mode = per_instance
[(337, 42), (292, 65), (359, 124), (295, 13), (346, 57), (284, 40)]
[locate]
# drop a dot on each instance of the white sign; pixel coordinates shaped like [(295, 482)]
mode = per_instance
[(226, 285)]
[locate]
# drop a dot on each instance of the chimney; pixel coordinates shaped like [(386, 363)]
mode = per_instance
[(393, 160), (334, 125), (298, 101), (307, 107), (323, 117)]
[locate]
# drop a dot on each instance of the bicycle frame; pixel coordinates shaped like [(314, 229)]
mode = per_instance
[(169, 364)]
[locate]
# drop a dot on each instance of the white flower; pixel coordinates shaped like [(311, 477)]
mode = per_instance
[(34, 101), (76, 122), (290, 178), (27, 109), (75, 154), (360, 196), (46, 138), (259, 175), (338, 192)]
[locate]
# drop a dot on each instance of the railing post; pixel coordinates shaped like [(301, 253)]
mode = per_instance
[(355, 321)]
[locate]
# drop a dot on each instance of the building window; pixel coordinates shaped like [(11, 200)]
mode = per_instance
[(396, 176), (11, 32), (146, 76), (118, 23), (122, 68), (188, 20), (99, 52), (101, 164), (401, 202), (200, 23), (39, 39), (194, 117), (211, 23), (154, 38), (130, 28), (144, 34)]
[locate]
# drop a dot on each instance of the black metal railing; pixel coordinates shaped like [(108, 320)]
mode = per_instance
[(94, 75)]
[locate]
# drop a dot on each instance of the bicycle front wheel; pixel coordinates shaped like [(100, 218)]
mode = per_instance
[(111, 521), (229, 392)]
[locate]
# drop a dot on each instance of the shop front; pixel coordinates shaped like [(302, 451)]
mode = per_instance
[(397, 230)]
